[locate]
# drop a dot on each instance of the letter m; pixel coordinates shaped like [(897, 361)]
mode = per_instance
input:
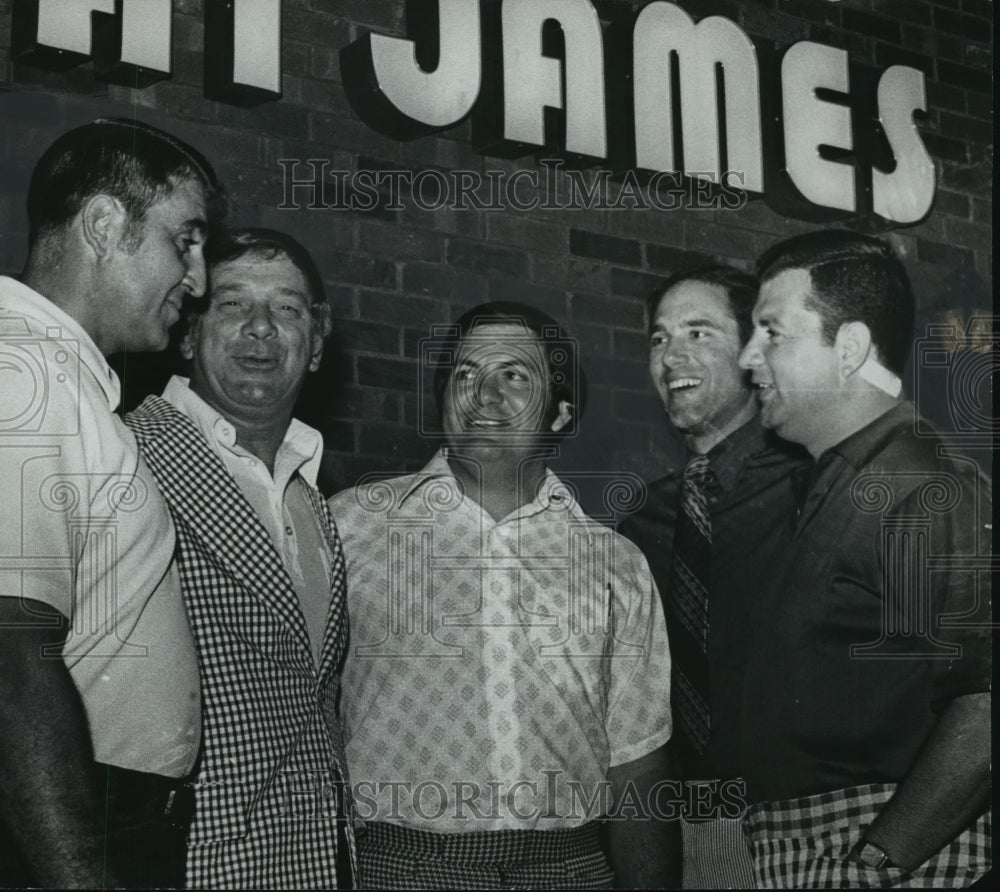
[(718, 89)]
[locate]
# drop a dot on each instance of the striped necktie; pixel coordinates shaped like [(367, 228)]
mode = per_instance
[(688, 605)]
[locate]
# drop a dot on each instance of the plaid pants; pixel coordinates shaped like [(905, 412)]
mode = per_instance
[(395, 857), (802, 844)]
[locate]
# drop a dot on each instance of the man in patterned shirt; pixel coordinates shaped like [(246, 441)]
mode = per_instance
[(507, 684), (261, 570)]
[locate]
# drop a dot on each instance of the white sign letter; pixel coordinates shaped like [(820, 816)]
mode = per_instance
[(810, 123), (532, 81), (663, 29), (444, 96), (906, 194)]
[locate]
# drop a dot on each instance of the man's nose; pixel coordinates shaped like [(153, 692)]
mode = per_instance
[(751, 357), (259, 323), (675, 353), (195, 277), (489, 391)]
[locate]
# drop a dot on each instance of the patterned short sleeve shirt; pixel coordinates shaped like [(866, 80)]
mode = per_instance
[(496, 668)]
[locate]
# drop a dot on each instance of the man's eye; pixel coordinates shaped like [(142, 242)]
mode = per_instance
[(696, 334), (657, 340), (292, 310)]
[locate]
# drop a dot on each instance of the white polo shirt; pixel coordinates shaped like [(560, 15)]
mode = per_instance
[(497, 668), (86, 531)]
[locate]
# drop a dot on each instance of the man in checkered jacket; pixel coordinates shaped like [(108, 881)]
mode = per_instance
[(261, 571)]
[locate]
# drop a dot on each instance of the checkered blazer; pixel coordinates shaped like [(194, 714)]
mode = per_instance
[(272, 749)]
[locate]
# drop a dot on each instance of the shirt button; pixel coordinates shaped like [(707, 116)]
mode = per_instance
[(289, 531)]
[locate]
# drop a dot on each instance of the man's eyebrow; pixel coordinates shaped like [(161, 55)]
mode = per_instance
[(701, 323)]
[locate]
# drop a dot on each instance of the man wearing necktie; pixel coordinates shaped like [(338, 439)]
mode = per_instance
[(707, 530)]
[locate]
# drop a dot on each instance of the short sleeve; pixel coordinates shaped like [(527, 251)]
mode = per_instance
[(43, 478), (638, 719), (961, 527)]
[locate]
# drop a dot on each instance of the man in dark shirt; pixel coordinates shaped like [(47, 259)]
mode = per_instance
[(699, 323), (866, 700)]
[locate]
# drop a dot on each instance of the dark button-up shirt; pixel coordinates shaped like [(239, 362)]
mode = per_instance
[(751, 502), (876, 616)]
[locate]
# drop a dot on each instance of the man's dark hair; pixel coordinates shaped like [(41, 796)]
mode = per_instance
[(855, 278), (267, 244), (740, 288), (128, 160), (566, 379)]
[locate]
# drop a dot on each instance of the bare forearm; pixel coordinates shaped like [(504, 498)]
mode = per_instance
[(48, 798), (945, 790), (644, 848)]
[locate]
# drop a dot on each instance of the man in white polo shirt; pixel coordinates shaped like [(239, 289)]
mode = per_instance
[(507, 687), (99, 701)]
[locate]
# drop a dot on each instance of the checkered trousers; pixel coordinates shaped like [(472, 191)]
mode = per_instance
[(802, 844), (272, 761), (396, 857)]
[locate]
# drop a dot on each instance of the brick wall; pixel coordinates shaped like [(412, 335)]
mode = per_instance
[(390, 274)]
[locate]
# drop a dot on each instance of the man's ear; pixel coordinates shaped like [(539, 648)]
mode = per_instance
[(564, 417), (317, 352), (187, 342), (854, 345), (103, 221)]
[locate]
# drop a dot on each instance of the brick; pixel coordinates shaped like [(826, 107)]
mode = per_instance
[(521, 232), (594, 340), (636, 406), (982, 210), (907, 10), (825, 13), (619, 374), (975, 177), (633, 284), (673, 260), (368, 337), (969, 235), (979, 105), (982, 8), (604, 247), (946, 255), (966, 26), (386, 439), (968, 128), (944, 148), (442, 282), (399, 242), (607, 310), (963, 76), (473, 255), (699, 9), (709, 237), (360, 270), (416, 312), (943, 96), (979, 56), (887, 54), (549, 300), (874, 25), (951, 203), (631, 344), (394, 374)]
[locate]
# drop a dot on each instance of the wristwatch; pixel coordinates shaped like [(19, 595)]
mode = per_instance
[(873, 856)]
